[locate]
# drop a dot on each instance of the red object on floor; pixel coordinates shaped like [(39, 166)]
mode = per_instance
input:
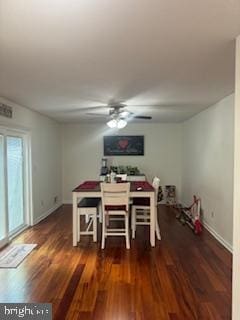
[(197, 227)]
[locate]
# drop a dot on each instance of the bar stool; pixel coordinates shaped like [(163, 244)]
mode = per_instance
[(88, 207), (141, 211), (115, 197)]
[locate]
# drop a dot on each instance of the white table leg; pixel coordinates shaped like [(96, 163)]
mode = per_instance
[(152, 219), (74, 219)]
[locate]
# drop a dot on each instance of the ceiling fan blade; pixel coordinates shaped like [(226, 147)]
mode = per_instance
[(87, 109), (97, 114), (143, 117)]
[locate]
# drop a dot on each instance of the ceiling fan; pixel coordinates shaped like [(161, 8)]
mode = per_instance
[(118, 115)]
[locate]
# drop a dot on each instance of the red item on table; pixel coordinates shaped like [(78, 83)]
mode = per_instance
[(91, 184), (144, 185)]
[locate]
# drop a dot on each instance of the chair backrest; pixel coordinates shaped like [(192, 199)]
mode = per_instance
[(115, 194), (122, 176), (156, 185), (156, 182)]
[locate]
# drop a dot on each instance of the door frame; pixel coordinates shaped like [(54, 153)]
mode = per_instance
[(5, 240), (27, 176)]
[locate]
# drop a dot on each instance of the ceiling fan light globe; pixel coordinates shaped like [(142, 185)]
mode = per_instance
[(125, 114), (112, 123), (121, 123)]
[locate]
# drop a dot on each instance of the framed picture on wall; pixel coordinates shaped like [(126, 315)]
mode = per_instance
[(123, 145)]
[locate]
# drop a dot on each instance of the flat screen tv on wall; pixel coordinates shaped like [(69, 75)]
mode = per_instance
[(123, 145)]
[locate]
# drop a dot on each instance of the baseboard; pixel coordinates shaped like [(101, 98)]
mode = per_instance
[(227, 245), (214, 233), (47, 213)]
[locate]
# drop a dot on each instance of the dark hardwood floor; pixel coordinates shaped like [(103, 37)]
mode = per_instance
[(184, 277)]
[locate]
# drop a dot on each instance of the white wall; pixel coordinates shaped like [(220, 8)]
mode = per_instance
[(46, 156), (236, 207), (82, 151), (208, 166)]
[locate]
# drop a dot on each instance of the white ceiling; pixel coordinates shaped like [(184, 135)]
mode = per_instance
[(58, 56)]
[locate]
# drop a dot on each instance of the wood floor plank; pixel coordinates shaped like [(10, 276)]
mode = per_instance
[(69, 293), (184, 277)]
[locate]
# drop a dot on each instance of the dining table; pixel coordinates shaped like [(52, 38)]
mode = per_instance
[(92, 189)]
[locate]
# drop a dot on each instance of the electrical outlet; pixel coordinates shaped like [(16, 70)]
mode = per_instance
[(212, 214), (42, 203)]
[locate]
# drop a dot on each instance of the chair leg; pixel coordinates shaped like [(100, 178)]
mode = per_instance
[(95, 227), (100, 213), (78, 226), (131, 218), (127, 231), (133, 222), (103, 230), (146, 216), (87, 218), (107, 219), (158, 230)]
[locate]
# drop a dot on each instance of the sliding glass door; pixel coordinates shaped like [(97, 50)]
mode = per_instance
[(15, 182), (13, 195), (3, 216)]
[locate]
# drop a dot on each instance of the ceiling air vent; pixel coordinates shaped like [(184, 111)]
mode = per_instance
[(5, 111)]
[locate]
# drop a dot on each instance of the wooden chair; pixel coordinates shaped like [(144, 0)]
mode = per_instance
[(88, 207), (115, 197), (141, 211)]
